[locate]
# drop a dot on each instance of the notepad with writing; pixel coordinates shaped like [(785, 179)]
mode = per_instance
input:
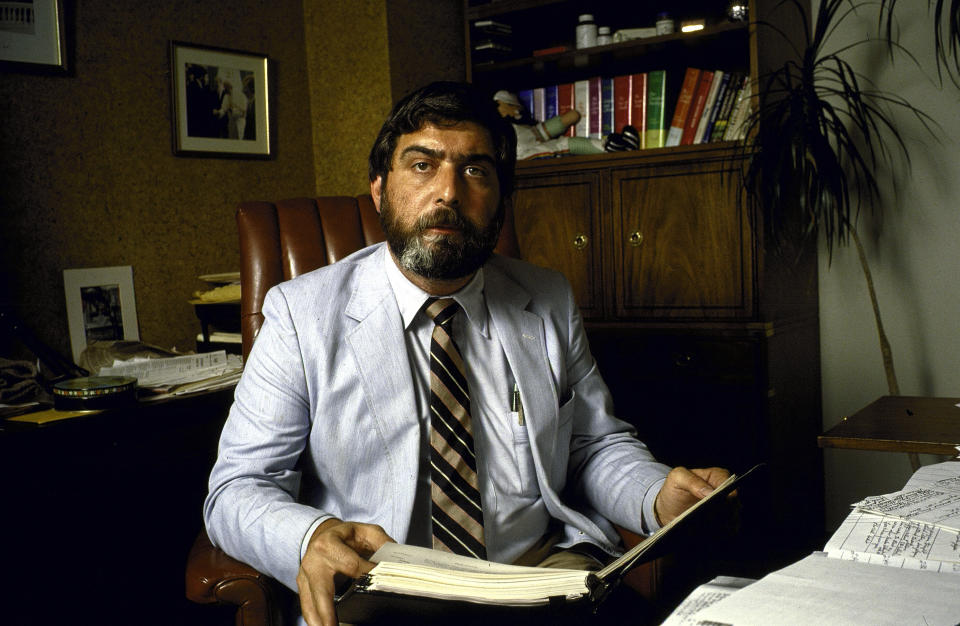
[(419, 582)]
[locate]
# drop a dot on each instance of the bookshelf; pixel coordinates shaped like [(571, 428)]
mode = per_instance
[(707, 337)]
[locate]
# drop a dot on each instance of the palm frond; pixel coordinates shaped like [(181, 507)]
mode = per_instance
[(946, 33), (820, 134)]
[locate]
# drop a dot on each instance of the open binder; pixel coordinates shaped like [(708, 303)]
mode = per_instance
[(418, 584)]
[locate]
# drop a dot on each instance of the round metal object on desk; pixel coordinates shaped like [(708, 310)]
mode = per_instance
[(94, 392)]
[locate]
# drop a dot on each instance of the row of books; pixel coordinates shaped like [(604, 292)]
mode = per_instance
[(711, 106), (707, 106)]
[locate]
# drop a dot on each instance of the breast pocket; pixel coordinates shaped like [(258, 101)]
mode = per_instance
[(523, 457), (561, 446)]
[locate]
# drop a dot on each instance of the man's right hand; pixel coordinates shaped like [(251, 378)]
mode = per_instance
[(337, 549)]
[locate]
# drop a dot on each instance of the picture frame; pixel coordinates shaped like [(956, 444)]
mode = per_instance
[(101, 306), (220, 102), (33, 36)]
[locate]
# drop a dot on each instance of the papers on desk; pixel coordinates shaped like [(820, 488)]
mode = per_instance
[(181, 374), (875, 569), (879, 540), (933, 498), (821, 590), (703, 596)]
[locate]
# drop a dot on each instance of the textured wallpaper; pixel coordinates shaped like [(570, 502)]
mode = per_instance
[(87, 173)]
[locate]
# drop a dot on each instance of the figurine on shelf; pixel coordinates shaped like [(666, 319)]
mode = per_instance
[(542, 139)]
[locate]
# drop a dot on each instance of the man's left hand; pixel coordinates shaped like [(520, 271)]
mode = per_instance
[(683, 488)]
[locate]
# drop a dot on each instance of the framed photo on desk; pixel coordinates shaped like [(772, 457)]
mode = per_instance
[(100, 306)]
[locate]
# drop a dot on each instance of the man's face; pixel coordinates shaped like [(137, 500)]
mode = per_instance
[(440, 207)]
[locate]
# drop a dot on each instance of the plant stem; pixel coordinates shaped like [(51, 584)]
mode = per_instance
[(892, 385)]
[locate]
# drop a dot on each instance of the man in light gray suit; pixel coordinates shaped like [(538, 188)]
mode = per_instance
[(328, 449)]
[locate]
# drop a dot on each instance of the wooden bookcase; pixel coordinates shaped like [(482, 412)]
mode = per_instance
[(706, 334)]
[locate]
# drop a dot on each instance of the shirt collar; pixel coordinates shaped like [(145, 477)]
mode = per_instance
[(410, 298)]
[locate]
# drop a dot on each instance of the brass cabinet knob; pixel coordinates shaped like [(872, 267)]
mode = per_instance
[(580, 241), (635, 239)]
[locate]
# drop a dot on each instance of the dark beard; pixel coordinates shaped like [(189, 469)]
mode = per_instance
[(444, 257)]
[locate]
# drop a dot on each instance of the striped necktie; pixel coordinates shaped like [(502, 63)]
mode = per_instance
[(456, 514)]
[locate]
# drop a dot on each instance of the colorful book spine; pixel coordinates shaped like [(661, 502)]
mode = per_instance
[(622, 102), (709, 106), (723, 117), (550, 102), (718, 104), (581, 100), (682, 109), (696, 107), (539, 108), (606, 107), (565, 103), (738, 116), (594, 107), (638, 105), (526, 99), (656, 132)]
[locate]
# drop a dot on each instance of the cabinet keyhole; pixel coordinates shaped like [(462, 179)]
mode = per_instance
[(580, 241), (635, 239)]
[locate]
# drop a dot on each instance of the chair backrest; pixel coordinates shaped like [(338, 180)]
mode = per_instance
[(283, 239)]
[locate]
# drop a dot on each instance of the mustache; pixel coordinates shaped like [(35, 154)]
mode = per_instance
[(443, 216)]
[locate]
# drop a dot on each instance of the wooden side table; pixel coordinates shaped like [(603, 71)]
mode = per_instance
[(912, 424)]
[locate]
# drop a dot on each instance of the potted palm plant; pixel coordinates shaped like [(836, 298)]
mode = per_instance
[(821, 133)]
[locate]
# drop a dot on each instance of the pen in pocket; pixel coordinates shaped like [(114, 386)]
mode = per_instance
[(515, 405)]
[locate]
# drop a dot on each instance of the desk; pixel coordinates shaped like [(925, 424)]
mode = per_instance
[(99, 512), (900, 424)]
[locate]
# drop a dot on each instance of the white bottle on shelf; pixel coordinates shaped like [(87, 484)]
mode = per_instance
[(586, 31), (603, 36)]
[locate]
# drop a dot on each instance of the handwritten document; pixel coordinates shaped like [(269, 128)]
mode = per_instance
[(934, 498), (881, 540), (922, 505)]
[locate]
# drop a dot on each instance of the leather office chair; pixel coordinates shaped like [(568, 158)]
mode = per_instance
[(279, 241)]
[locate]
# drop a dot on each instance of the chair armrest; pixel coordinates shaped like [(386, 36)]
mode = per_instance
[(213, 577), (647, 578)]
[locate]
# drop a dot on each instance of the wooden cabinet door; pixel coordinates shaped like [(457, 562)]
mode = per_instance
[(556, 219), (683, 245)]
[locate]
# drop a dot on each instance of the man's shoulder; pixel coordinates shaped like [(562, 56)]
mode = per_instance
[(533, 278), (338, 273)]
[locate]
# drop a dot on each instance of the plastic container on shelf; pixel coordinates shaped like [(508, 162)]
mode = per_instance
[(586, 31), (603, 36), (665, 24)]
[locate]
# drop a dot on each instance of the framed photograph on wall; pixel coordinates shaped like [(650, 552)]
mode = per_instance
[(221, 102), (100, 306), (32, 35)]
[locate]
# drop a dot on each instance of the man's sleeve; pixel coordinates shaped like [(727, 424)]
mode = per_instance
[(251, 511), (610, 469)]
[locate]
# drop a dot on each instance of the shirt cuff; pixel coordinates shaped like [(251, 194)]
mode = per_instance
[(648, 516), (305, 542)]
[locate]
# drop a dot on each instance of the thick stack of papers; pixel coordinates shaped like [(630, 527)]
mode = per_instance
[(181, 374), (436, 574)]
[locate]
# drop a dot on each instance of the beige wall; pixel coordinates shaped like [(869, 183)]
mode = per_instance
[(362, 57), (88, 178), (914, 261)]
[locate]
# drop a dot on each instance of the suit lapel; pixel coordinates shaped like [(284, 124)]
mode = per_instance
[(524, 343), (378, 346)]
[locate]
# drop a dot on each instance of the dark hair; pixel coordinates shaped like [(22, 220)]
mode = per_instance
[(446, 103)]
